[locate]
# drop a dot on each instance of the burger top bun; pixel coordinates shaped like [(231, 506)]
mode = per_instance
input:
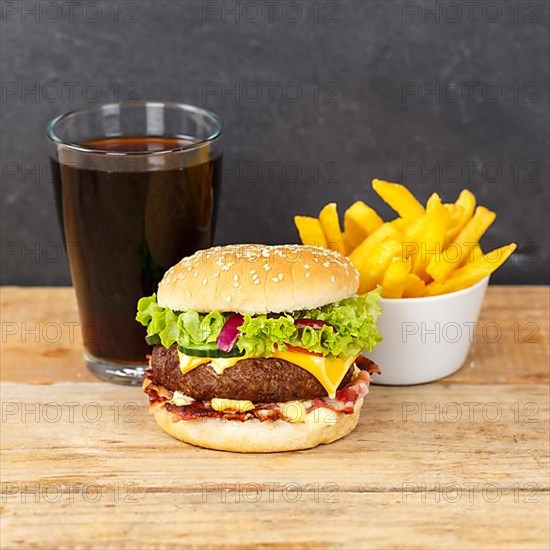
[(258, 279)]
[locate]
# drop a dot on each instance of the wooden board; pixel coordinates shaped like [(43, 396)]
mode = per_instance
[(461, 463)]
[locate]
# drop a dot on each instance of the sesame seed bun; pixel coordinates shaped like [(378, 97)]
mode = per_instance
[(258, 279)]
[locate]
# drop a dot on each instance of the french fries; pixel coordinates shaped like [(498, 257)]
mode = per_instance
[(331, 228), (414, 287), (462, 211), (360, 255), (429, 236), (473, 272), (427, 250), (440, 268), (375, 265), (310, 231), (396, 277), (360, 221), (399, 198)]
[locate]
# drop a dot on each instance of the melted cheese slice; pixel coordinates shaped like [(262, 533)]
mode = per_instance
[(329, 372)]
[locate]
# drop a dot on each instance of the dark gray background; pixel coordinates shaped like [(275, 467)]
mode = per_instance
[(358, 55)]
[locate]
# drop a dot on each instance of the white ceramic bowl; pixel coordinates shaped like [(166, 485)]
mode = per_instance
[(426, 338)]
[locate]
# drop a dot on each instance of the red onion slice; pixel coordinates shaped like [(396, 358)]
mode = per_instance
[(313, 323), (229, 333)]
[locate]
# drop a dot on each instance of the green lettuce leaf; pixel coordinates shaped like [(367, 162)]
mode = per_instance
[(351, 327), (260, 334)]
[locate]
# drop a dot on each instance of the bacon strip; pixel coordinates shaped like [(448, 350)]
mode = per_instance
[(364, 363), (343, 402)]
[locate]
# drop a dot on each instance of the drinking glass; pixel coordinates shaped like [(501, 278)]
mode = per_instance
[(136, 187)]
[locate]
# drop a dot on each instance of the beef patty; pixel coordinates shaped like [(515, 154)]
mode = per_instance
[(260, 380)]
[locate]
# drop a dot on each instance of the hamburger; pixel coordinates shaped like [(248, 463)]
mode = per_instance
[(259, 348)]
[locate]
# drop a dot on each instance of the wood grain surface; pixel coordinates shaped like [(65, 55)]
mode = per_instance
[(460, 463)]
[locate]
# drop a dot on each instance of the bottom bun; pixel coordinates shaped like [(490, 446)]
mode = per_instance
[(253, 436)]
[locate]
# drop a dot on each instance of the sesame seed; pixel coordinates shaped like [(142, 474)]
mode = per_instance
[(267, 267), (205, 281), (235, 278), (228, 299), (307, 266), (196, 274), (332, 279), (252, 272), (275, 279), (308, 274), (280, 276), (236, 285), (326, 264), (256, 281), (188, 293)]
